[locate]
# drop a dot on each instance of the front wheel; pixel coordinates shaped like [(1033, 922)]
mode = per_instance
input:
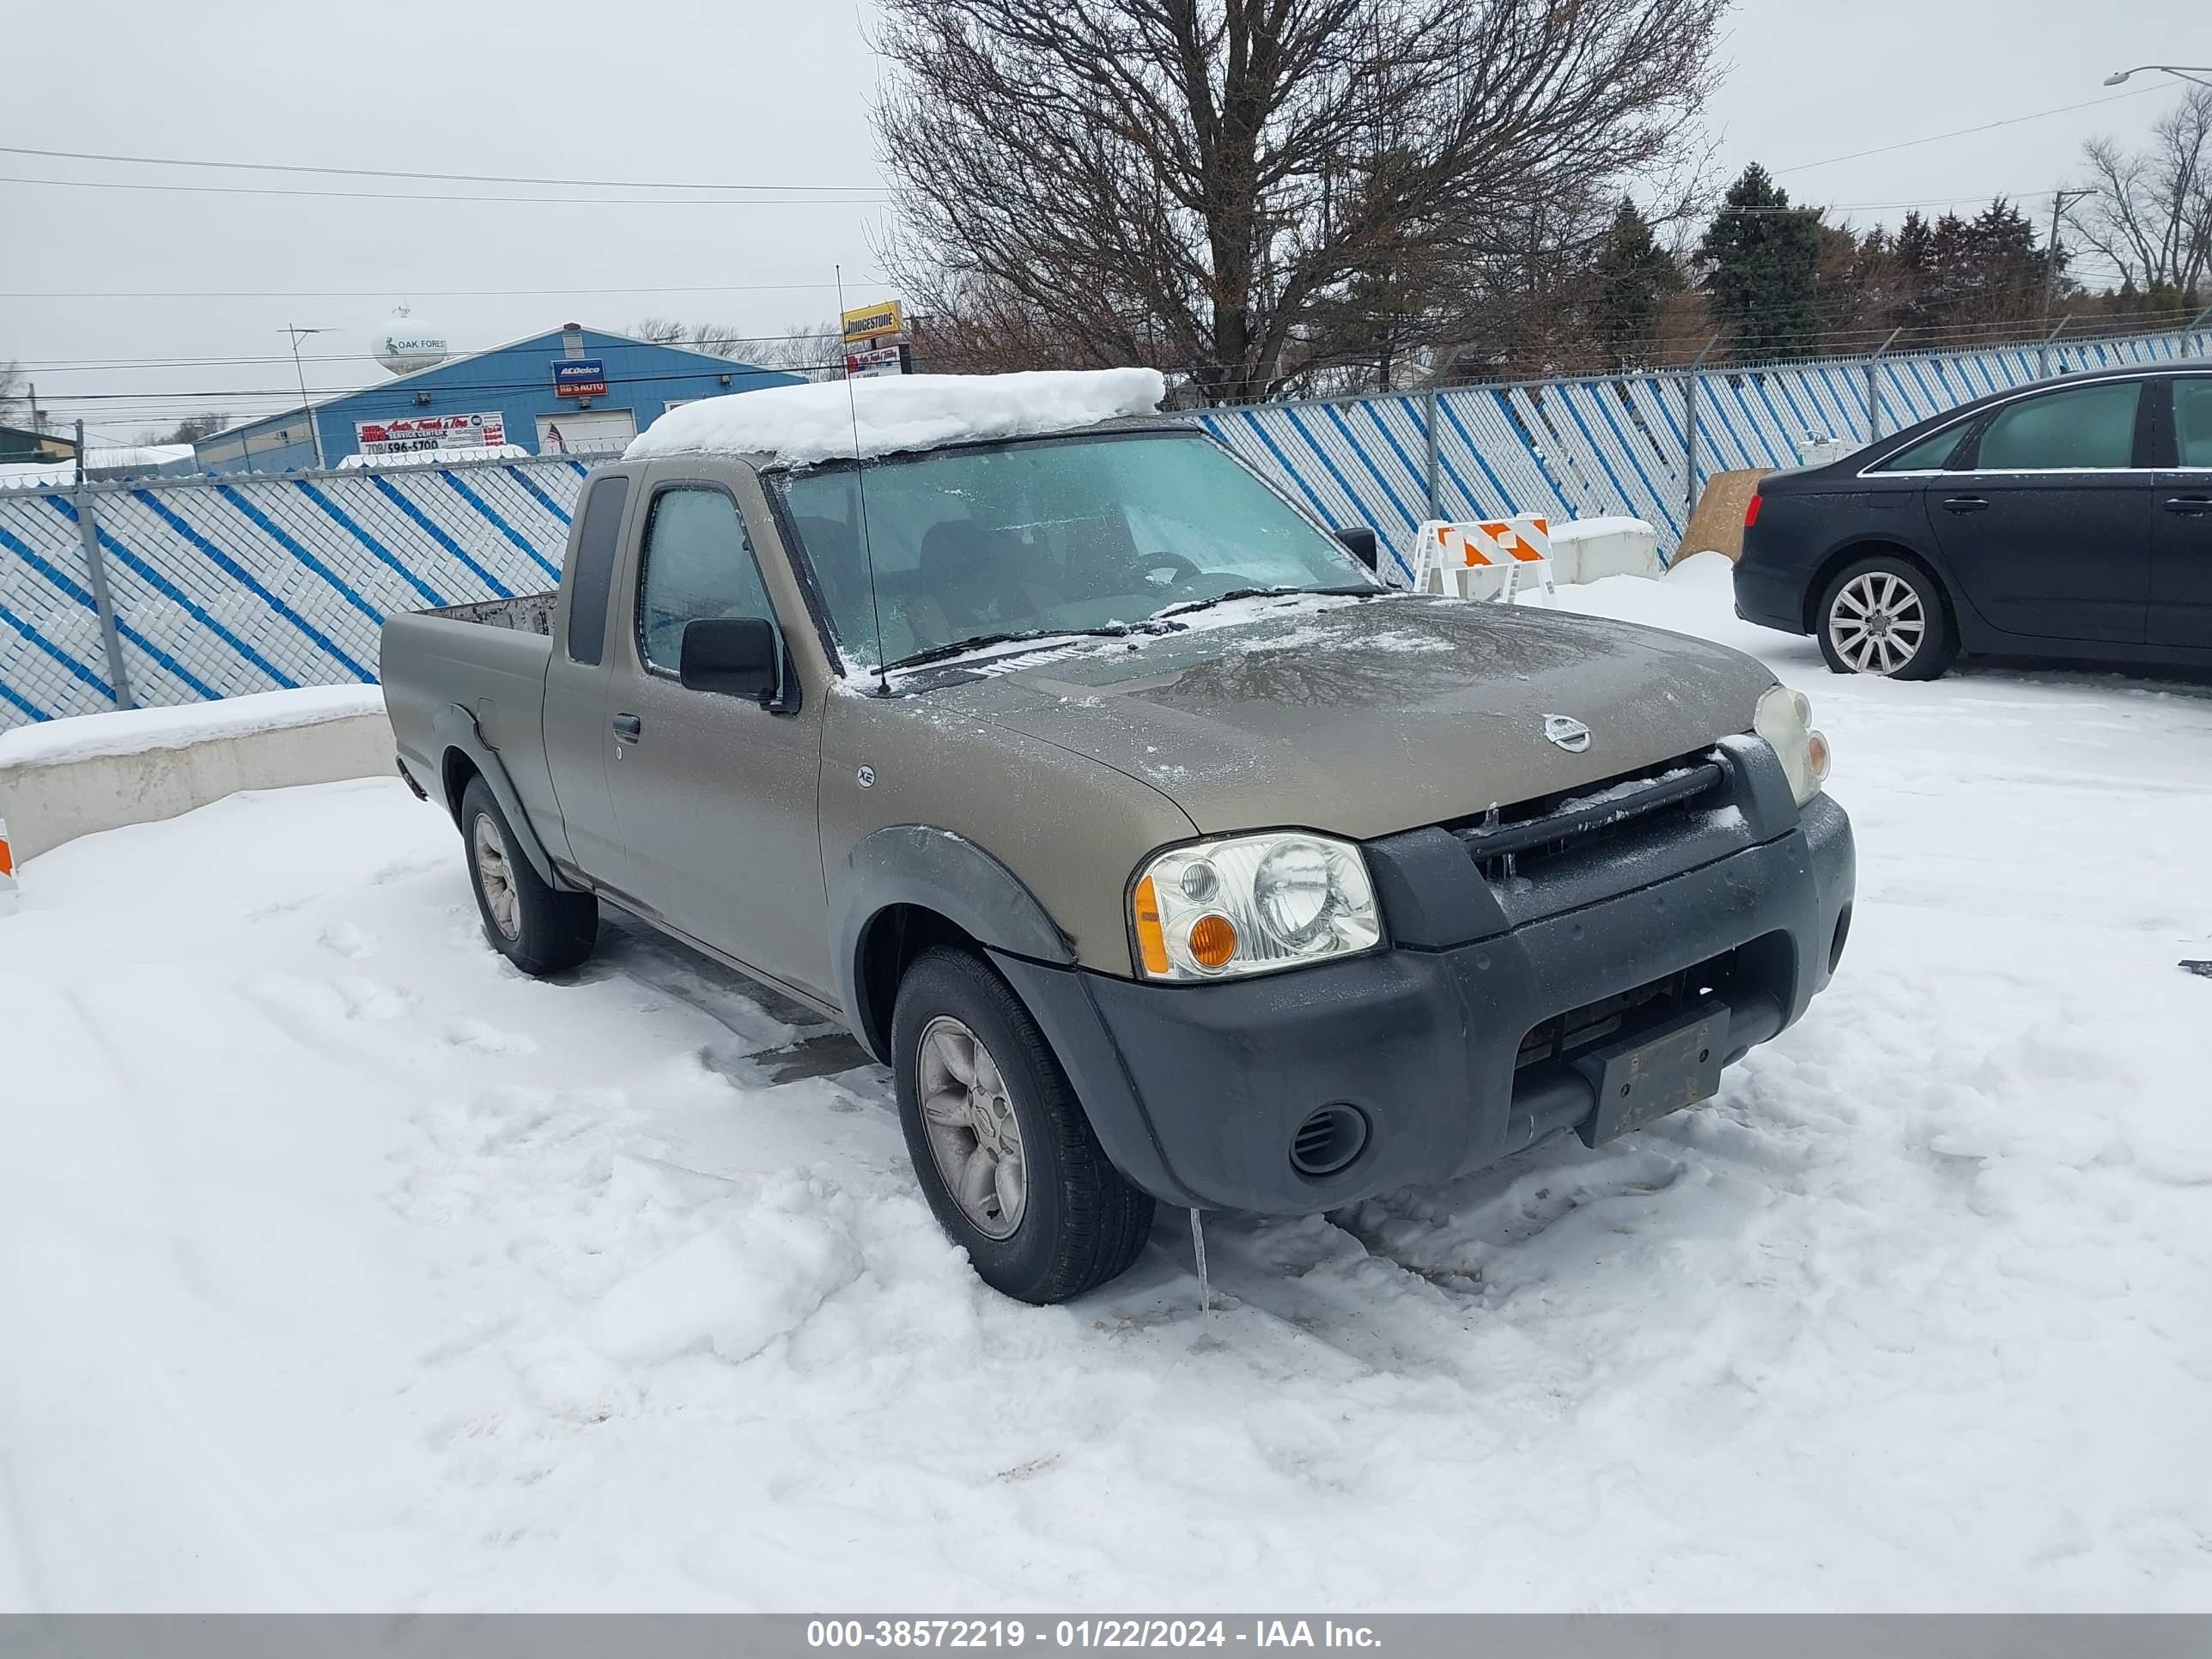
[(538, 928), (1000, 1144), (1885, 615)]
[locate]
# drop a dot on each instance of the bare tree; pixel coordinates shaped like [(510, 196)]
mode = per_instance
[(812, 346), (15, 399), (193, 427), (807, 349), (1204, 179), (2150, 212)]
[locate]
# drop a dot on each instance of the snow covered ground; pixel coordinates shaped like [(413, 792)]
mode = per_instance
[(342, 1267)]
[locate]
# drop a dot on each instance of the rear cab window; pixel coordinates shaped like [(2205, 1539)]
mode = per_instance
[(595, 568)]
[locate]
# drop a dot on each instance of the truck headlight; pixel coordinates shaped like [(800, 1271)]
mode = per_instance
[(1784, 719), (1251, 904)]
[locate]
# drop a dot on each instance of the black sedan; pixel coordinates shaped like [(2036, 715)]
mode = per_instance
[(2068, 518)]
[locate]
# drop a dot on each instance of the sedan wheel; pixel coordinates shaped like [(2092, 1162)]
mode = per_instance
[(1877, 621), (1885, 615)]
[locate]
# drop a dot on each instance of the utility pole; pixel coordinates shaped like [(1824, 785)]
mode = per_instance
[(2051, 255), (314, 425)]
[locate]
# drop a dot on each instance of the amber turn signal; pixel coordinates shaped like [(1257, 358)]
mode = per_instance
[(1213, 940)]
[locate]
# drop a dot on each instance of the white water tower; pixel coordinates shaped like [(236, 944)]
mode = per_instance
[(404, 342)]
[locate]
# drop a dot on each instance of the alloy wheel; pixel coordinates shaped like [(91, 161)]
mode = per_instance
[(974, 1136), (1877, 621), (496, 876)]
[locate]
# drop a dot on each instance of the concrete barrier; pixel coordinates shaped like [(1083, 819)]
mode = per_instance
[(73, 777), (1590, 550)]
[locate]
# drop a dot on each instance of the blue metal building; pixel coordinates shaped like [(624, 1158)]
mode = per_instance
[(574, 390)]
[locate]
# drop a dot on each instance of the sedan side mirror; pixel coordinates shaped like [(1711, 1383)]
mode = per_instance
[(1361, 540), (734, 656)]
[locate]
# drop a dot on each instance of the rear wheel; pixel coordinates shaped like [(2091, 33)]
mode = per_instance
[(1885, 615), (535, 926), (1000, 1144)]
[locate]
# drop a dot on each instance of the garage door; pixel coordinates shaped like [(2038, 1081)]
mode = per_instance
[(585, 432)]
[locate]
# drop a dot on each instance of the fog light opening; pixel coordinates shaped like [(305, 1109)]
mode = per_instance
[(1842, 932), (1329, 1141)]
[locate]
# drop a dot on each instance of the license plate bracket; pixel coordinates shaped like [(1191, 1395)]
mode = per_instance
[(1661, 1069)]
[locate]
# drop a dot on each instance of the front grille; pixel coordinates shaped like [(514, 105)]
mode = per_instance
[(1563, 1036), (1503, 841)]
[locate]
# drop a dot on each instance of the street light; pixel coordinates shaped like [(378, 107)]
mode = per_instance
[(314, 426), (2188, 72)]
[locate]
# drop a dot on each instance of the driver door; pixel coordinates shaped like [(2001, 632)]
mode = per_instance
[(715, 794)]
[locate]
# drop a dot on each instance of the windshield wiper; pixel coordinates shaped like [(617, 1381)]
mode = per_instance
[(977, 641), (1258, 594)]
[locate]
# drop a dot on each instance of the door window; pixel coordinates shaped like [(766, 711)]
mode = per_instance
[(2193, 421), (2088, 427), (699, 566)]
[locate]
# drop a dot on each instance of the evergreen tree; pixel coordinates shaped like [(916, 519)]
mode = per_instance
[(1633, 275), (1762, 267)]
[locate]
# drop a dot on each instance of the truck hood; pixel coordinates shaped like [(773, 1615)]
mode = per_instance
[(1361, 718)]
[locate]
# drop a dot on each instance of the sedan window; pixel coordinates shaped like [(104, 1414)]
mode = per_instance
[(2089, 426), (2193, 421), (1929, 455)]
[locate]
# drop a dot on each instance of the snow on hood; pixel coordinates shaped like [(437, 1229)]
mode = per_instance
[(838, 420)]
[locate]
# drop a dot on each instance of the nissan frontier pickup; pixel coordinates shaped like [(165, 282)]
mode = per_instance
[(1162, 853)]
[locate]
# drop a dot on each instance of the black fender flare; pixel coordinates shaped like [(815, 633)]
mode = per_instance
[(911, 864), (453, 728)]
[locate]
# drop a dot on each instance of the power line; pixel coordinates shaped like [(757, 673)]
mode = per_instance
[(88, 365), (1986, 126), (411, 196), (407, 289), (390, 172)]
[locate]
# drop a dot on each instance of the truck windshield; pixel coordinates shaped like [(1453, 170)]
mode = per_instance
[(1053, 535)]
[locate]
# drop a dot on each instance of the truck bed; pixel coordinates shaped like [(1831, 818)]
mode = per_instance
[(524, 613), (489, 660)]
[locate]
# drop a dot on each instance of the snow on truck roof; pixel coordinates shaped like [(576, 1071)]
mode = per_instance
[(839, 420)]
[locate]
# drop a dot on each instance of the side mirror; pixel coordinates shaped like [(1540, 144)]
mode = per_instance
[(734, 656), (1361, 540)]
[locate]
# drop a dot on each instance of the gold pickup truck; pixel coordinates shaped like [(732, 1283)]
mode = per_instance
[(1161, 851)]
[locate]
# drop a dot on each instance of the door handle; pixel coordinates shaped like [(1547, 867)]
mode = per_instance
[(2189, 506), (1965, 503), (628, 727)]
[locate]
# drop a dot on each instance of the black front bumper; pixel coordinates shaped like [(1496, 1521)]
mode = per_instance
[(1197, 1091)]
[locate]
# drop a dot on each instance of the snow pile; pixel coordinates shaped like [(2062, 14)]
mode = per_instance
[(438, 456), (798, 425), (736, 1287), (125, 461), (132, 730)]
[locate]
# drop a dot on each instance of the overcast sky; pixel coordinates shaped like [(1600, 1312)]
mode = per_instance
[(746, 93)]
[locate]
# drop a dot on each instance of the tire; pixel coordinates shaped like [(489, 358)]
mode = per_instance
[(540, 929), (1078, 1222), (1885, 615)]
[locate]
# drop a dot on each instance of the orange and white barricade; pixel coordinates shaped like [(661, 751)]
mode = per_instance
[(7, 894), (1484, 559)]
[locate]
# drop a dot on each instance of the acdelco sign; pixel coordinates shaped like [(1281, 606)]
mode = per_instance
[(872, 322)]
